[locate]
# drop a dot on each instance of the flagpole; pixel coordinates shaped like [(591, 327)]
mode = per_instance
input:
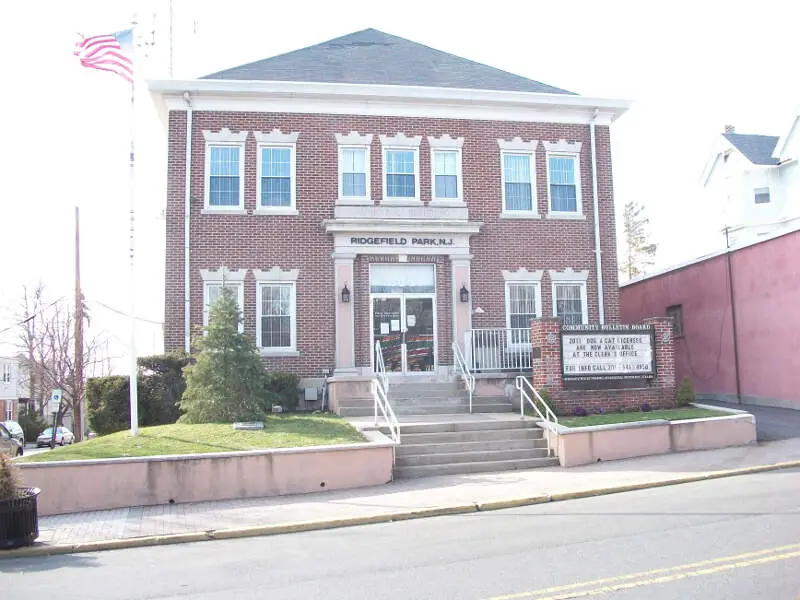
[(134, 392)]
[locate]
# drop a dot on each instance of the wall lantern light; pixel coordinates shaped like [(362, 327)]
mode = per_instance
[(345, 294), (464, 293)]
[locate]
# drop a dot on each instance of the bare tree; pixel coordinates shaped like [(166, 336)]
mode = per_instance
[(47, 344), (639, 253)]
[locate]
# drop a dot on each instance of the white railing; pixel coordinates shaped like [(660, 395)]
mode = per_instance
[(381, 396), (463, 371), (499, 349), (547, 414)]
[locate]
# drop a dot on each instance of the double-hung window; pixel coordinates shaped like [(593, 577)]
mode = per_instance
[(446, 178), (354, 167), (276, 316), (224, 181), (213, 284), (5, 373), (523, 303), (276, 172), (569, 296), (563, 179), (518, 174), (276, 313), (400, 167)]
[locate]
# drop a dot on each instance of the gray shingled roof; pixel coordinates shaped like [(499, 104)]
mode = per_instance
[(756, 148), (373, 57)]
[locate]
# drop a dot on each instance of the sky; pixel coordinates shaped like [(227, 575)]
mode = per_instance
[(689, 68)]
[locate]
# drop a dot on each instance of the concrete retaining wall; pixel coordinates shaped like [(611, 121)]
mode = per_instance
[(585, 445), (76, 486)]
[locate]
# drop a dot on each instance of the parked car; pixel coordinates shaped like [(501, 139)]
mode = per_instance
[(8, 444), (15, 429), (63, 436)]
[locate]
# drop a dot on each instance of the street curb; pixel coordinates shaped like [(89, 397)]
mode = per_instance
[(460, 509)]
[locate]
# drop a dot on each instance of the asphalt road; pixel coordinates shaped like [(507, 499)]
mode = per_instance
[(725, 539)]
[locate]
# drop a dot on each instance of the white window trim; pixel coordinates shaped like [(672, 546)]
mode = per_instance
[(228, 277), (537, 296), (277, 276), (402, 143), (518, 146), (570, 277), (224, 137), (277, 139), (565, 149), (447, 144), (354, 140)]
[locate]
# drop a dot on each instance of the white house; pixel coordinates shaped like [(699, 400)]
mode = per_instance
[(755, 182), (12, 388)]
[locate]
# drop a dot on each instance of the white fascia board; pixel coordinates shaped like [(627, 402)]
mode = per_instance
[(783, 141), (219, 91)]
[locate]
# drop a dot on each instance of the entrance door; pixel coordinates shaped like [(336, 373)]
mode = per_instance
[(404, 325)]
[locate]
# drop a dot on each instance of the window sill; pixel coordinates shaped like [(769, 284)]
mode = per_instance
[(402, 201), (279, 353), (223, 211), (447, 202), (519, 215), (276, 211), (566, 216), (354, 202)]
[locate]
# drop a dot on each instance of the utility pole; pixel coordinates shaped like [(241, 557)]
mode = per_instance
[(733, 317), (77, 384)]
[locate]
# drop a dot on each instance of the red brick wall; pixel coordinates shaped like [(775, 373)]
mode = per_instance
[(261, 242), (546, 335)]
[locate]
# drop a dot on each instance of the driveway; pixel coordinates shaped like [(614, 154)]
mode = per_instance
[(771, 423)]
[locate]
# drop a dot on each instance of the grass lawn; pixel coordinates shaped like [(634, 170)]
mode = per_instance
[(284, 431), (671, 414)]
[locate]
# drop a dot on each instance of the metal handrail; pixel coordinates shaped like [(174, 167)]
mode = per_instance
[(548, 415), (381, 396), (463, 370)]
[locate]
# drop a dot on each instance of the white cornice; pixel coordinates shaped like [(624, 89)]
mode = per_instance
[(522, 274), (568, 275), (445, 142), (431, 226), (353, 139), (276, 274), (563, 146), (224, 135), (402, 140), (517, 145), (223, 274), (388, 100), (276, 137)]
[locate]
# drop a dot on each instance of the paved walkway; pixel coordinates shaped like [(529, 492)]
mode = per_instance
[(407, 495)]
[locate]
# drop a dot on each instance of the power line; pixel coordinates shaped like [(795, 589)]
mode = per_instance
[(124, 314)]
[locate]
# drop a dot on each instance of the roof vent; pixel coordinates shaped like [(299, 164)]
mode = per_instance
[(730, 129)]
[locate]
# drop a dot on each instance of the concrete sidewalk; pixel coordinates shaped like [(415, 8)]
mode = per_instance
[(455, 494)]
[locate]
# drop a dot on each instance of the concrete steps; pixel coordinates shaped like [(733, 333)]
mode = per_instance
[(470, 446), (473, 467)]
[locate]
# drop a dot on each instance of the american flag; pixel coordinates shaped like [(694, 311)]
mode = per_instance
[(112, 53)]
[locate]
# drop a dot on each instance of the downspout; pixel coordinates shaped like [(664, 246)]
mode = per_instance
[(597, 251), (187, 215)]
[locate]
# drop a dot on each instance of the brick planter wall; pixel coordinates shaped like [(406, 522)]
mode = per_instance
[(546, 362)]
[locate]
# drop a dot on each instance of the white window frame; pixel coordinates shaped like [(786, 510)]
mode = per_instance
[(518, 147), (522, 277), (277, 139), (233, 279), (6, 373), (447, 144), (570, 277), (355, 141), (401, 143), (222, 138), (564, 149), (277, 276)]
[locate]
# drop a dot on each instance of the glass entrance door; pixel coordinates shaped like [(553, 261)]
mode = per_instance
[(404, 325)]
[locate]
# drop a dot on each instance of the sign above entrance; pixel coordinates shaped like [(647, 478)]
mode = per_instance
[(401, 241)]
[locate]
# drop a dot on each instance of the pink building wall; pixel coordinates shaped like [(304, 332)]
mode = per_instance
[(766, 285)]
